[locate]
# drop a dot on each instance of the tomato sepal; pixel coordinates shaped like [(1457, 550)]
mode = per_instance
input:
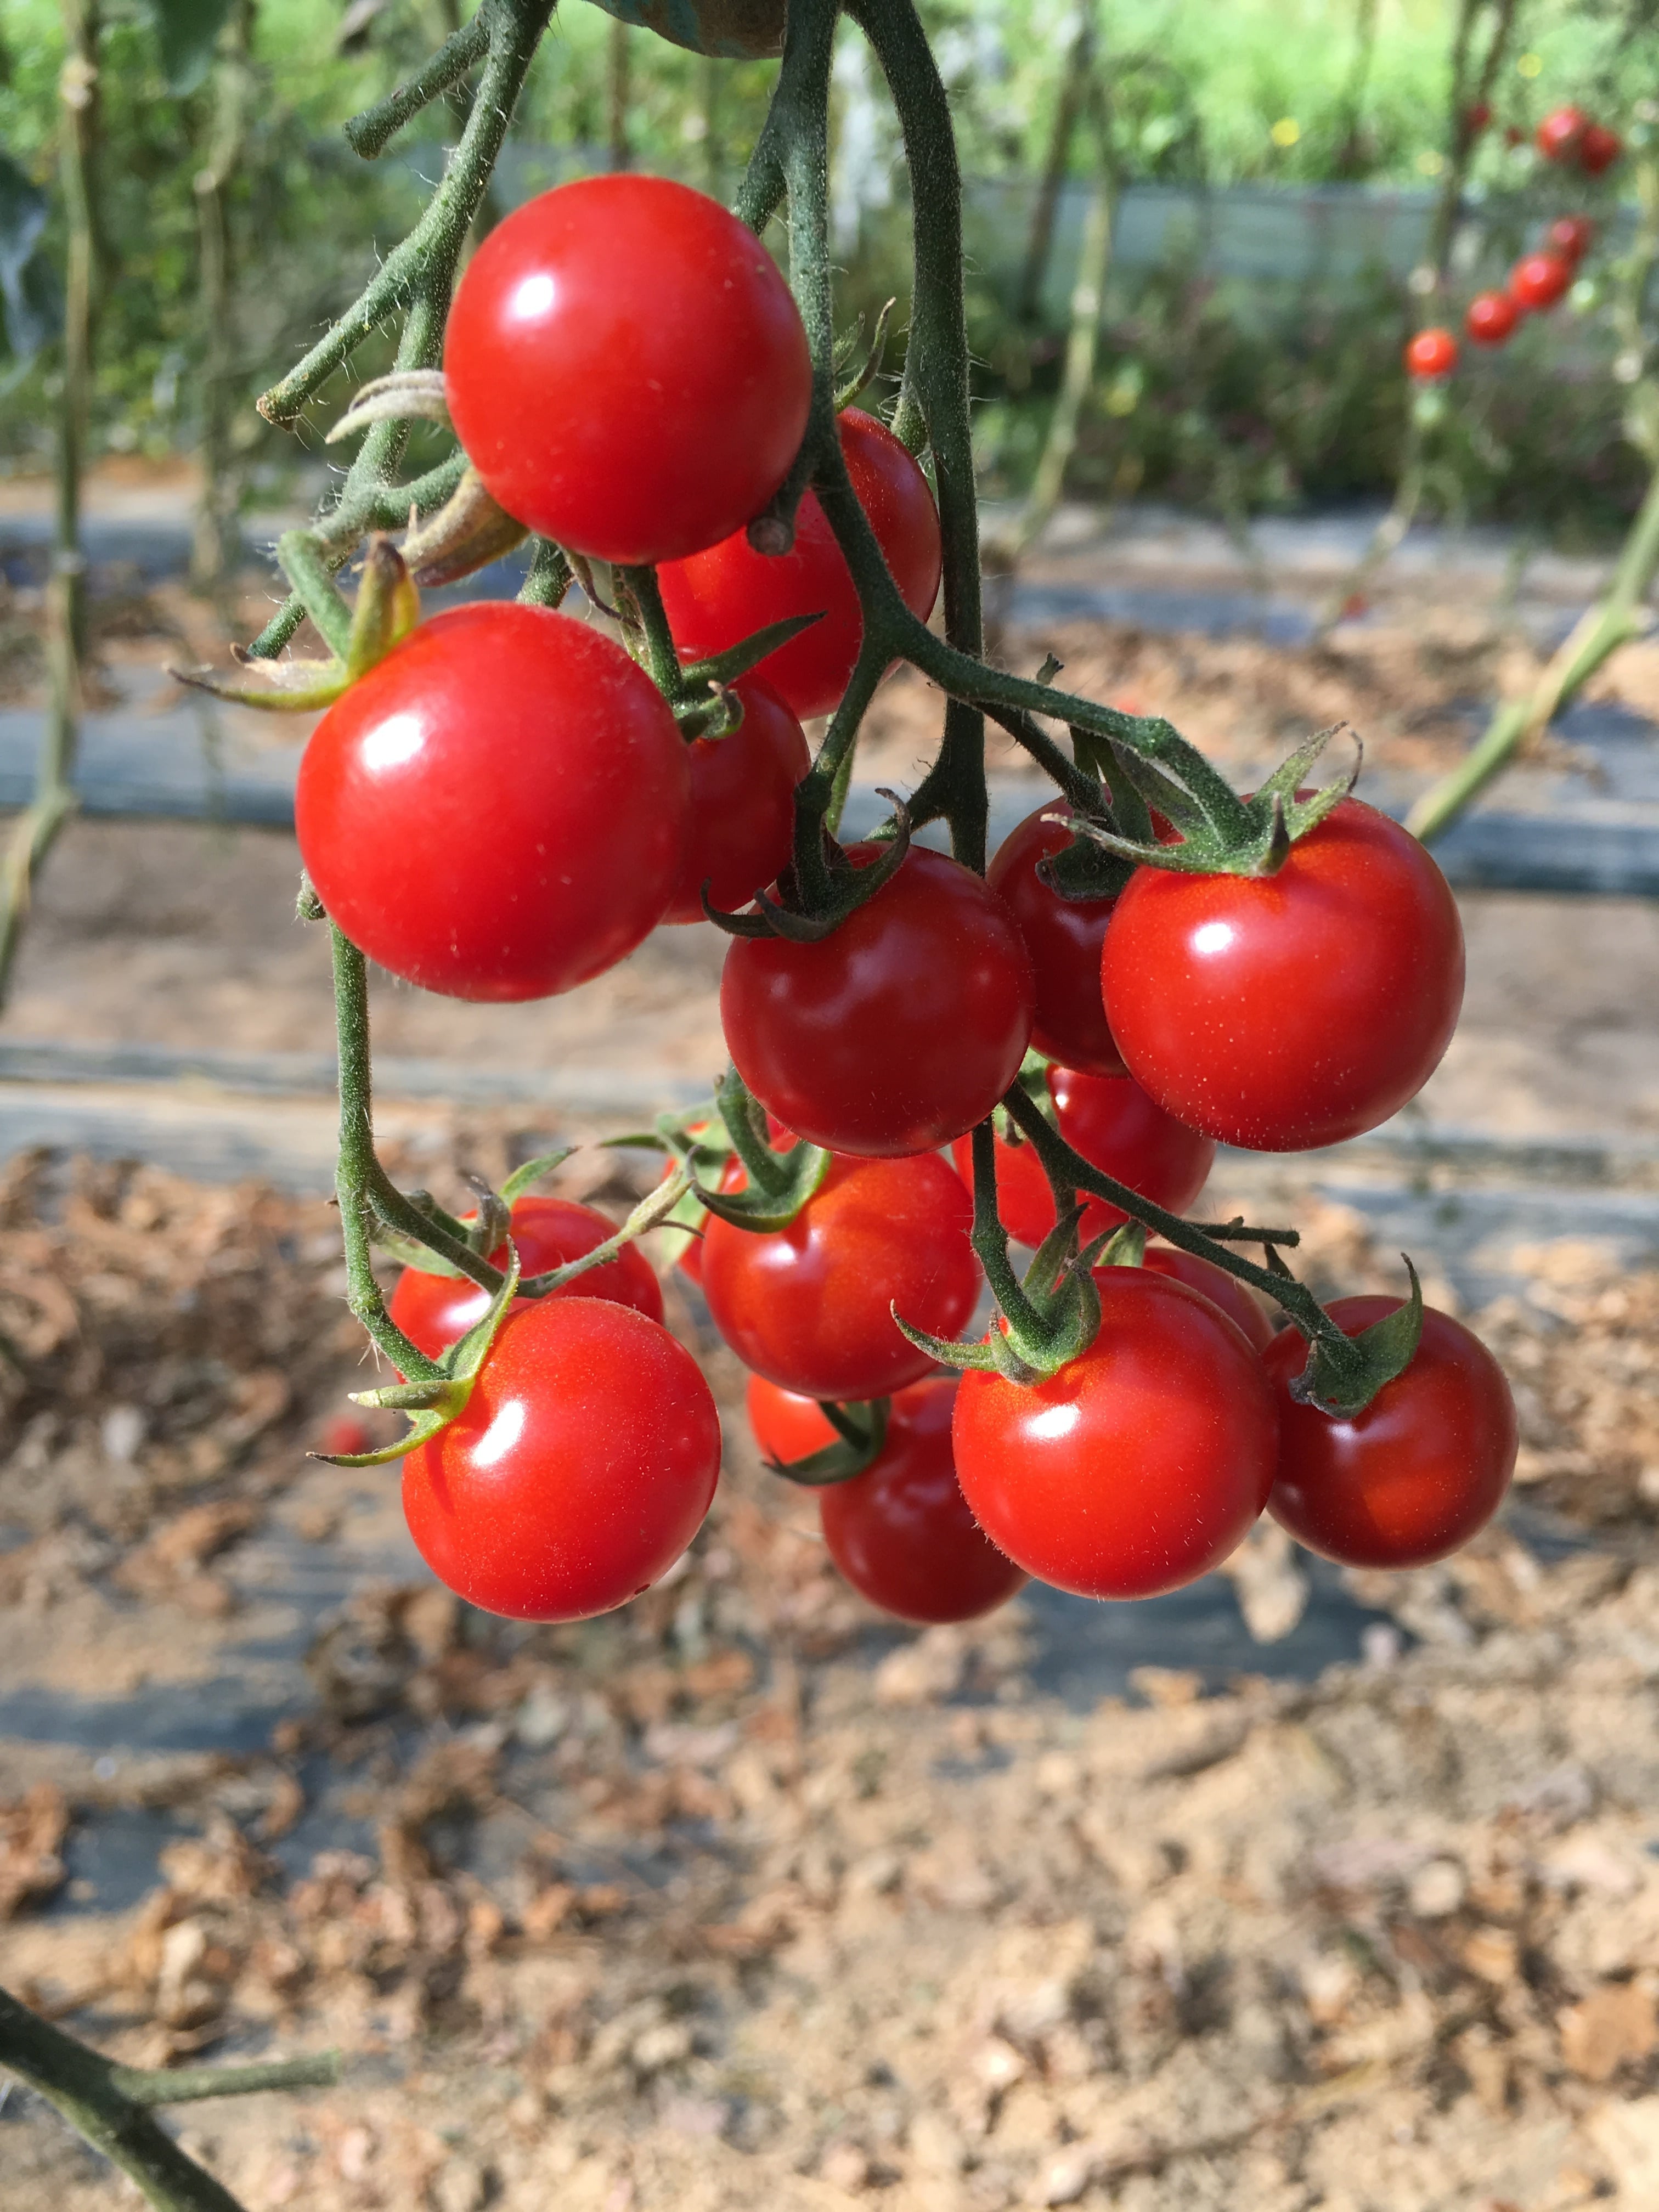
[(780, 1183), (857, 1447), (404, 395), (467, 532), (848, 889), (388, 608), (532, 1172), (869, 363), (1345, 1373), (722, 668)]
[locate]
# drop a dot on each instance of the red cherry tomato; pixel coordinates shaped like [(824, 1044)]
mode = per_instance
[(1117, 1129), (1235, 1299), (810, 1307), (581, 1469), (1571, 236), (786, 1426), (1599, 148), (434, 1311), (1431, 354), (898, 1030), (1287, 1011), (627, 369), (743, 805), (718, 598), (499, 809), (1561, 133), (1063, 937), (740, 30), (1491, 318), (901, 1532), (1414, 1476), (1137, 1467), (1538, 281)]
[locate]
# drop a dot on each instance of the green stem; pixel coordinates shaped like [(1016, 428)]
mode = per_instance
[(371, 133), (661, 660), (110, 2106), (213, 543)]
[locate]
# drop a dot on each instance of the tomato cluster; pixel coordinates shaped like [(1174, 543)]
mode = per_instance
[(507, 802)]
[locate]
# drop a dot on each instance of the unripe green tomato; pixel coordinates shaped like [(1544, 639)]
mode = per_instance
[(738, 30)]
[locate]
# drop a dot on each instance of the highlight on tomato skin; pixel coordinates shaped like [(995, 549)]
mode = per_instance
[(434, 1311), (1415, 1476), (580, 1468), (1138, 1466)]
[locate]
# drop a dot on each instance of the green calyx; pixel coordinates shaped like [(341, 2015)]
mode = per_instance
[(386, 609), (780, 1183), (1345, 1373), (1220, 834), (485, 1233), (860, 1432), (430, 1404), (804, 916)]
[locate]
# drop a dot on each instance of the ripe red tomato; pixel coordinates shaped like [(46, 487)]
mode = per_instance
[(1235, 1299), (1538, 281), (499, 809), (1431, 354), (1137, 1467), (1063, 937), (1414, 1476), (580, 1470), (1491, 318), (1286, 1012), (740, 30), (898, 1031), (901, 1532), (1117, 1129), (810, 1307), (743, 805), (434, 1311), (718, 598), (627, 369), (1599, 148), (1571, 236), (1561, 133), (786, 1426)]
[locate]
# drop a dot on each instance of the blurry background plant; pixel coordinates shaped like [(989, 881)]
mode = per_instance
[(1275, 176)]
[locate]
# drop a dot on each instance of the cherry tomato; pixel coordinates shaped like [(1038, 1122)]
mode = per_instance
[(1063, 937), (499, 809), (1571, 236), (1235, 1299), (737, 30), (434, 1311), (1117, 1129), (1137, 1467), (1599, 148), (1414, 1476), (786, 1426), (580, 1470), (1538, 281), (1287, 1011), (743, 805), (898, 1030), (718, 598), (1431, 354), (627, 369), (901, 1533), (1561, 133), (810, 1306), (1491, 318)]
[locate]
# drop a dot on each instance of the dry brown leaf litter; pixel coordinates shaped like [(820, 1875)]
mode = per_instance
[(705, 1905)]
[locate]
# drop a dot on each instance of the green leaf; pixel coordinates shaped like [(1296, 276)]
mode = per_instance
[(189, 30)]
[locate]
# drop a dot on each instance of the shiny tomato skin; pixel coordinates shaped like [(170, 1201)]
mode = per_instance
[(1538, 281), (786, 1426), (1431, 354), (1599, 148), (1235, 1299), (898, 1031), (1411, 1477), (499, 809), (720, 596), (581, 1469), (1138, 1466), (1063, 937), (627, 369), (1561, 133), (901, 1533), (1287, 1011), (434, 1311), (1110, 1119), (810, 1307), (1492, 319), (743, 805)]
